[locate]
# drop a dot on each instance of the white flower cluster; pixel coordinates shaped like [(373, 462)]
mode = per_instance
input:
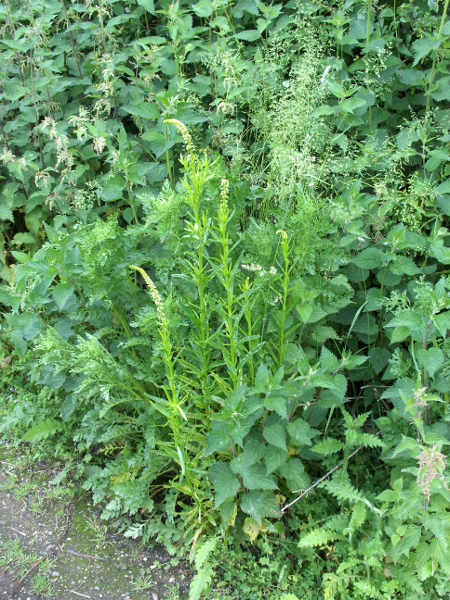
[(258, 269)]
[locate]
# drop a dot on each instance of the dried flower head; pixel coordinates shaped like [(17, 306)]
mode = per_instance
[(431, 467)]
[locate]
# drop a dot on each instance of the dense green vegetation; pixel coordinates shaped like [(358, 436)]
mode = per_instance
[(225, 263)]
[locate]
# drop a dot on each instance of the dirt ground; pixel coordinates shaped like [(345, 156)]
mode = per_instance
[(61, 550)]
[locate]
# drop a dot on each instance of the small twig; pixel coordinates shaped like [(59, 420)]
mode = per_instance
[(17, 531), (303, 494), (86, 555), (78, 594)]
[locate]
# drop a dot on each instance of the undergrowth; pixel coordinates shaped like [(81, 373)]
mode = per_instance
[(225, 263)]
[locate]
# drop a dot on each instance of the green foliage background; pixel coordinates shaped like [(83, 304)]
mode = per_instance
[(224, 262)]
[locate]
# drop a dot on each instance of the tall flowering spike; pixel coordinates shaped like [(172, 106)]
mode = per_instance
[(224, 189), (155, 296), (184, 132)]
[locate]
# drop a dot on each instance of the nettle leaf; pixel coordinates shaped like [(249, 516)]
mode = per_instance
[(274, 457), (6, 213), (226, 484), (275, 435), (370, 258), (262, 379), (400, 334), (218, 440), (276, 404), (432, 359), (423, 47), (61, 293), (407, 318), (254, 478), (301, 432), (440, 253), (410, 536), (379, 358), (251, 35), (259, 504), (149, 5), (442, 322), (328, 360), (294, 473)]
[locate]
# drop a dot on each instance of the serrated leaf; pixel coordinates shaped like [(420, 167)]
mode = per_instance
[(409, 539), (259, 504), (226, 484), (407, 318), (440, 253), (274, 457), (251, 35), (145, 110), (254, 478), (275, 435), (6, 213), (400, 334), (359, 514), (200, 582), (262, 379), (318, 537), (432, 359), (276, 404), (301, 432), (42, 430), (328, 447), (61, 294), (370, 258), (218, 440), (328, 360), (203, 552), (423, 47), (149, 5), (294, 473), (379, 358)]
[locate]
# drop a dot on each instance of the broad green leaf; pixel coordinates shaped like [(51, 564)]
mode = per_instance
[(6, 213), (218, 440), (423, 47), (328, 360), (250, 35), (370, 258), (274, 457), (441, 253), (432, 359), (61, 293), (254, 478), (407, 318), (294, 473), (259, 504), (351, 104), (379, 358), (145, 110), (400, 334), (443, 188), (275, 435), (409, 539), (149, 5), (276, 404), (301, 432), (262, 379), (203, 9), (226, 484)]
